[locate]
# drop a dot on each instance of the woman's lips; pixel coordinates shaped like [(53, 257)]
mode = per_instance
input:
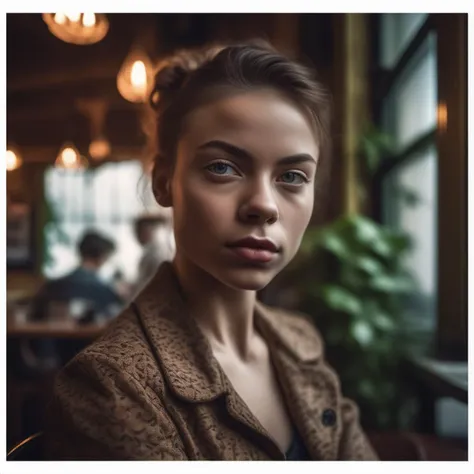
[(254, 254)]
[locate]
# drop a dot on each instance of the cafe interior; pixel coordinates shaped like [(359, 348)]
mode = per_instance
[(77, 161)]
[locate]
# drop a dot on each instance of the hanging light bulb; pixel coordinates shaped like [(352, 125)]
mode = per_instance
[(14, 159), (88, 20), (138, 75), (135, 77), (77, 28), (60, 18), (100, 148), (70, 158), (74, 17), (96, 112)]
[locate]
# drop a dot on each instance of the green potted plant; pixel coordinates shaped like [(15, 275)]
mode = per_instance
[(354, 284)]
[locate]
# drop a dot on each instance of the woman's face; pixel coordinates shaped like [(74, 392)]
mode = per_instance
[(245, 169)]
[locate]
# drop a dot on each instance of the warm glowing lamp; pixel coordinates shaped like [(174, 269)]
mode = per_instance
[(14, 159), (77, 28), (70, 158), (135, 77), (60, 18), (89, 20), (100, 148), (73, 17), (442, 113)]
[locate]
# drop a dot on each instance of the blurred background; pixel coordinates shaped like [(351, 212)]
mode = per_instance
[(382, 269)]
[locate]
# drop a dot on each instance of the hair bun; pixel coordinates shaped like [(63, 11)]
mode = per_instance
[(172, 72), (170, 77)]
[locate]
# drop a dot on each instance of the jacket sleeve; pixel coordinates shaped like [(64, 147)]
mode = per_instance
[(100, 413)]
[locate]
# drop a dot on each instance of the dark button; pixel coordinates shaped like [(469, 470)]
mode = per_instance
[(329, 417)]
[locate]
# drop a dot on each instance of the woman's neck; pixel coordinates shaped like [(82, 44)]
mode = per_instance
[(224, 315)]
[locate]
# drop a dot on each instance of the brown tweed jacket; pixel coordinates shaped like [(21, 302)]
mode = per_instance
[(150, 389)]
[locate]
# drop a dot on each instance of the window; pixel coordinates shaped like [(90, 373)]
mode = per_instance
[(408, 111), (421, 99), (106, 199), (410, 106), (410, 204), (397, 30), (422, 102)]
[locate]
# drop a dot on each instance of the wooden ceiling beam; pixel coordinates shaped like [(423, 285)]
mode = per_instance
[(61, 102), (122, 128), (47, 78)]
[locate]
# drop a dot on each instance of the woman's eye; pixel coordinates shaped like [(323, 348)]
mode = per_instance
[(291, 177), (221, 168)]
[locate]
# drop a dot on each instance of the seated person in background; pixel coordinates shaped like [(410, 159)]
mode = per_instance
[(82, 290), (155, 235), (83, 283)]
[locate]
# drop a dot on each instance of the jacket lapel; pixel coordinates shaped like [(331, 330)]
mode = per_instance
[(194, 375), (185, 356), (191, 370), (311, 390)]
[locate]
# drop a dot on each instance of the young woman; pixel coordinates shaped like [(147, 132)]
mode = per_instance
[(197, 368)]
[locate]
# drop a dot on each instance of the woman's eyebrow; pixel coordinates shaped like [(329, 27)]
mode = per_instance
[(238, 152)]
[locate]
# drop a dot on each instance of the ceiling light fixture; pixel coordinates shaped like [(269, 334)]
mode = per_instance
[(14, 159), (70, 158), (134, 79), (77, 28)]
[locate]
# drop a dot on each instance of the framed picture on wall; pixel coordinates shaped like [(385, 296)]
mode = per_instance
[(20, 236)]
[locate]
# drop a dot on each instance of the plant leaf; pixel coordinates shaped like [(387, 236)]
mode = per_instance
[(383, 321), (368, 264), (393, 284), (335, 244), (362, 332), (366, 230), (340, 299)]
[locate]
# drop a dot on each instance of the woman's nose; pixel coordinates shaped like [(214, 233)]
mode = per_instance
[(260, 206)]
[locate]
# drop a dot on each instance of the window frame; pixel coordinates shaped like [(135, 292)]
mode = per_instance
[(86, 216), (451, 143)]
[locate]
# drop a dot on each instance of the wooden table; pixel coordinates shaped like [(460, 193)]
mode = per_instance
[(66, 329)]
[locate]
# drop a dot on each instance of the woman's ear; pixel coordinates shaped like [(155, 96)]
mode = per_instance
[(161, 186)]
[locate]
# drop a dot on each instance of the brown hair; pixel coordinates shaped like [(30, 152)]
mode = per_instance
[(190, 78)]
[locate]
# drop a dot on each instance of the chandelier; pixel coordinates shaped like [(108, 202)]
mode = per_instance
[(77, 28)]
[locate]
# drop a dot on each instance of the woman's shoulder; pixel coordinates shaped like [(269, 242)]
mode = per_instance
[(108, 401), (122, 350)]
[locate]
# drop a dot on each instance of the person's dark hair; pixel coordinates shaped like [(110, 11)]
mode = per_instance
[(152, 221), (189, 79), (95, 246)]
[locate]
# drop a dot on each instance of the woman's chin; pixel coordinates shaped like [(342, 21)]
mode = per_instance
[(250, 280)]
